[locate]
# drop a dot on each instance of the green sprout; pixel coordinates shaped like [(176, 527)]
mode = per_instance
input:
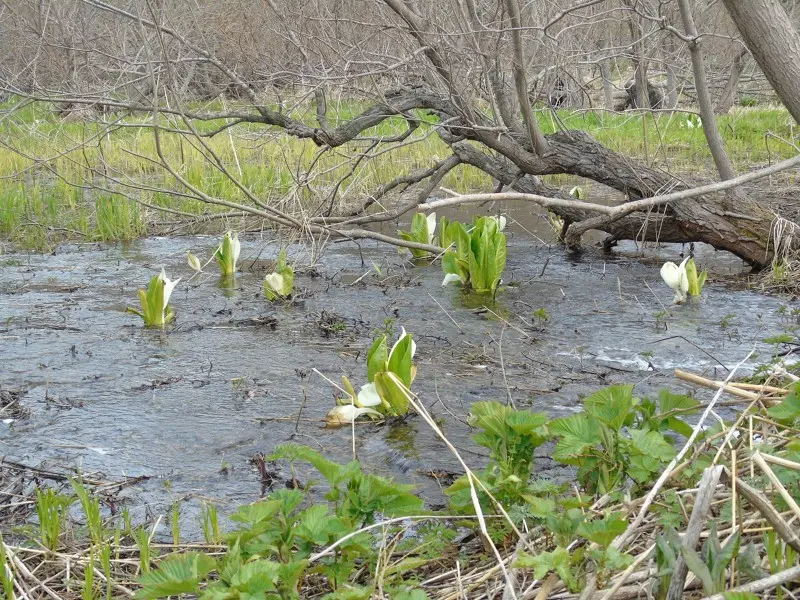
[(696, 281), (389, 374), (279, 283), (479, 257), (683, 279), (228, 253), (156, 310), (423, 231)]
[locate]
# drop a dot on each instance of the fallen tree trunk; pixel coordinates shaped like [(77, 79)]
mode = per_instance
[(741, 226)]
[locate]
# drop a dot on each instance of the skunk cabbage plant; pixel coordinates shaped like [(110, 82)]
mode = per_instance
[(228, 253), (683, 279), (279, 283), (389, 373), (156, 311), (476, 257), (423, 231)]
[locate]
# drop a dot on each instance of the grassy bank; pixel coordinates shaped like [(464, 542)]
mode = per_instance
[(94, 181), (354, 535)]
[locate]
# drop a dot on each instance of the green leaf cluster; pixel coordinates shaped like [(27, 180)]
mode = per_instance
[(476, 257), (696, 281), (617, 437), (511, 436), (268, 553), (423, 229), (228, 253), (788, 411), (711, 564), (279, 283), (154, 313)]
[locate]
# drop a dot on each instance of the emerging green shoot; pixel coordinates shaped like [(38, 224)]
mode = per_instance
[(423, 231), (227, 254), (6, 574), (210, 523), (279, 283), (479, 257), (156, 310), (696, 281), (711, 564), (683, 279), (390, 374), (194, 262), (51, 508), (91, 508), (88, 592)]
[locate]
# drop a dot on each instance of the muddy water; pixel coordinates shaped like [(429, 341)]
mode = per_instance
[(188, 407)]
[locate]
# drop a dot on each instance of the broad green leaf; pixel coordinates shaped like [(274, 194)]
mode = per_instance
[(691, 277), (616, 560), (678, 426), (602, 532), (462, 240), (748, 563), (291, 573), (697, 567), (445, 238), (665, 556), (178, 575), (288, 280), (669, 402), (331, 471), (524, 422), (540, 507), (393, 392), (558, 561), (400, 360), (313, 524), (252, 514), (500, 255), (612, 405), (652, 444), (725, 556), (578, 435), (256, 577), (377, 358), (788, 409)]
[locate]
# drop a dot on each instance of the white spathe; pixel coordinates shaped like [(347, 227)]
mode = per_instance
[(449, 278), (348, 413), (675, 277), (501, 221), (400, 339), (431, 227), (168, 287), (368, 396), (194, 262), (275, 282), (237, 248)]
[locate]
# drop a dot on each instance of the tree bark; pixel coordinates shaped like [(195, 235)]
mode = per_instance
[(728, 96), (605, 73), (715, 142), (774, 43), (669, 53), (639, 59)]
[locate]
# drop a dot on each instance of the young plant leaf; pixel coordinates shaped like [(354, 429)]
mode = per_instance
[(179, 575)]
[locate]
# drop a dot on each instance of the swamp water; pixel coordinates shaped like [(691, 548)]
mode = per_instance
[(233, 376)]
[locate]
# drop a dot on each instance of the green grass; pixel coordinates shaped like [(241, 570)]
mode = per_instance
[(43, 158)]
